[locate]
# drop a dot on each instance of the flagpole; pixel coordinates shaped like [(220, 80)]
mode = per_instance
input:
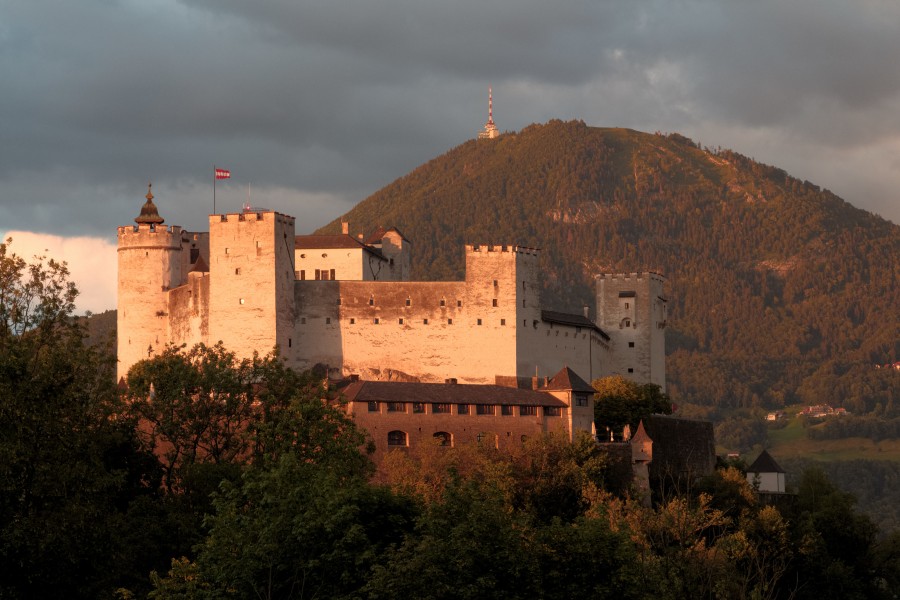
[(214, 189)]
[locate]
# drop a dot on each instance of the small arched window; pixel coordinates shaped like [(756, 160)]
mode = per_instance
[(397, 438), (443, 438)]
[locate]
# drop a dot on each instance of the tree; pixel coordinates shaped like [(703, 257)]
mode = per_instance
[(302, 521), (69, 464), (619, 402)]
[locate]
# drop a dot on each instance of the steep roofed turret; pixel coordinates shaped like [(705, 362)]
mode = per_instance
[(149, 214)]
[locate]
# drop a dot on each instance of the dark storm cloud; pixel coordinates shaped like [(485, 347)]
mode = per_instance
[(320, 104)]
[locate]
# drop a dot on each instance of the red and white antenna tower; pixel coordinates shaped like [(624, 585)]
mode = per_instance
[(490, 130)]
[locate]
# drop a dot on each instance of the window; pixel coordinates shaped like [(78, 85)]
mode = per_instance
[(442, 409), (373, 407), (631, 344), (397, 438), (494, 302), (503, 321), (424, 321), (486, 439), (396, 407), (418, 407), (242, 300), (303, 320), (375, 320), (462, 409), (484, 409), (290, 342), (449, 321), (443, 438), (627, 305), (407, 302), (551, 411), (506, 410), (443, 302), (332, 274), (237, 271), (458, 303), (352, 321), (372, 301), (401, 320), (630, 370), (495, 283), (339, 301), (328, 320), (302, 274), (318, 275), (523, 302), (581, 400), (479, 321), (527, 411)]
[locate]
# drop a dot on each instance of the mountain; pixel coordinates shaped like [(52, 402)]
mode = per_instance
[(780, 292)]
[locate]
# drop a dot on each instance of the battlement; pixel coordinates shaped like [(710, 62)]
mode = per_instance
[(143, 228), (638, 275), (250, 217), (472, 248)]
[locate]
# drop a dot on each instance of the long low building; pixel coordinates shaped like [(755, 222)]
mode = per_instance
[(405, 414)]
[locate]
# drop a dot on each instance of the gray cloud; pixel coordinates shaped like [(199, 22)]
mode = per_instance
[(320, 104)]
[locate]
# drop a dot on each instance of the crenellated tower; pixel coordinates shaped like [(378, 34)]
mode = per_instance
[(151, 261), (252, 282)]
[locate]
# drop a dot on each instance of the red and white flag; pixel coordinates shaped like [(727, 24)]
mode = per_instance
[(223, 174)]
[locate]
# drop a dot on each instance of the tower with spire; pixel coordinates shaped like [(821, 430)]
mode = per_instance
[(490, 129), (151, 261)]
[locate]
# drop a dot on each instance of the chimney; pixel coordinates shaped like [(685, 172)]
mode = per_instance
[(354, 377), (345, 227), (535, 382), (450, 380), (587, 311)]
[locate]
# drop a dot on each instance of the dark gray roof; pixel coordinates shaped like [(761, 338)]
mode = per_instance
[(446, 393), (341, 240), (568, 380), (764, 463), (550, 316)]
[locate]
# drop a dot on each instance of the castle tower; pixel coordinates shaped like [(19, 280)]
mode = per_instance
[(490, 129), (252, 282), (631, 308), (151, 262)]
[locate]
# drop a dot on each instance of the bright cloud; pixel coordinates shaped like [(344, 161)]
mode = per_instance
[(91, 262)]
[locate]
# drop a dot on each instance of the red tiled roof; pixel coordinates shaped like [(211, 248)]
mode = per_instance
[(446, 393)]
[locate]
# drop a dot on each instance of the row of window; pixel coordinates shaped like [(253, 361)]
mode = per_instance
[(399, 438), (466, 409)]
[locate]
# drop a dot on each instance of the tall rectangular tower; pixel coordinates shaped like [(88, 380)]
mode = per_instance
[(631, 308), (251, 272)]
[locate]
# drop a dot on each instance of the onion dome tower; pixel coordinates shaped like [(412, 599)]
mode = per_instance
[(149, 213), (150, 264)]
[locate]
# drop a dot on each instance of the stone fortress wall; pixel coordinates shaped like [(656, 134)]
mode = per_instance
[(240, 284)]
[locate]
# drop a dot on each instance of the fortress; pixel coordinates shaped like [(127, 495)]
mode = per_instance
[(346, 303)]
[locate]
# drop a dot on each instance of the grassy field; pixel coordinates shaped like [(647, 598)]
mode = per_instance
[(791, 442)]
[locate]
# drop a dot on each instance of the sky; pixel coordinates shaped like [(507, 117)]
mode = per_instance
[(313, 106)]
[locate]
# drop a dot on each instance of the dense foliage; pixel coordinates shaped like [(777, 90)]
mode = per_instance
[(211, 477), (780, 292)]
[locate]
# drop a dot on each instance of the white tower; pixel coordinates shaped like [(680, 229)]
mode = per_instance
[(631, 308)]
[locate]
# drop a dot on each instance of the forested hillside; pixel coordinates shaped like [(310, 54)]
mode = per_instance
[(780, 291)]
